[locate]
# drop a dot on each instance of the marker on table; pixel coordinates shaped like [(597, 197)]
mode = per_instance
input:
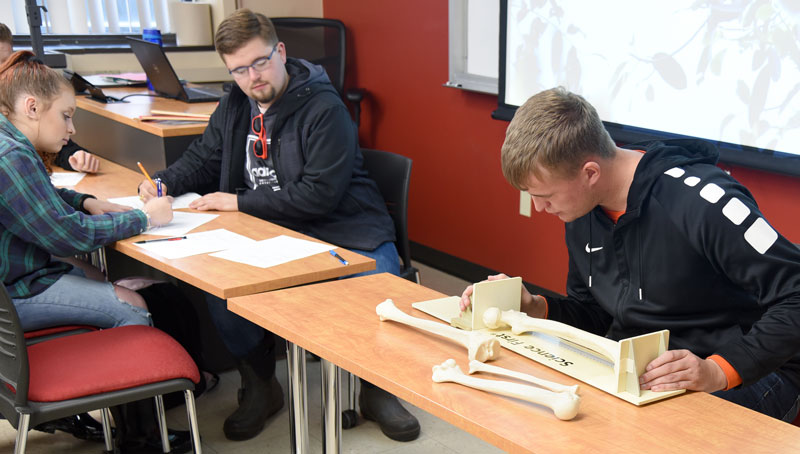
[(341, 259), (174, 238), (144, 172)]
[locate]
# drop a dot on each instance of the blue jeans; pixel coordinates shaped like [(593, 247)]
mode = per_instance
[(773, 396), (76, 300), (242, 336)]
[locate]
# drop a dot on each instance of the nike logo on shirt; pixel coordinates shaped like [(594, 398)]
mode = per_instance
[(594, 249)]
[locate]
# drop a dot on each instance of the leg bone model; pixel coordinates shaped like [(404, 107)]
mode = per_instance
[(475, 366), (480, 346), (521, 323), (564, 405)]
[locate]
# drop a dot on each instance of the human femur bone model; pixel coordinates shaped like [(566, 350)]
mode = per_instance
[(521, 323), (480, 346)]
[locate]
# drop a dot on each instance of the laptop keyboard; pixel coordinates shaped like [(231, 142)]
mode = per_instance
[(197, 93)]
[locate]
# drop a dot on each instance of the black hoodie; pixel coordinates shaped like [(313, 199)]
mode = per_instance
[(692, 254), (325, 192)]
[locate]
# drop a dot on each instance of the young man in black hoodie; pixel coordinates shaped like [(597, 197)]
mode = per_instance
[(660, 238), (282, 146)]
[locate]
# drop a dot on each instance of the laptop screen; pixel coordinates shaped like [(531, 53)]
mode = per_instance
[(158, 69)]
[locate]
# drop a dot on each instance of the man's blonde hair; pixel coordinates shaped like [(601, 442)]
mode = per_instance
[(5, 34), (554, 129), (240, 27)]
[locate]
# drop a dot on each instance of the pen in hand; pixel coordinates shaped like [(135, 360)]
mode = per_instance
[(174, 238), (158, 187), (339, 257)]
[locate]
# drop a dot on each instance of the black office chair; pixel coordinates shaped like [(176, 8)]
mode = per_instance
[(392, 173), (322, 42), (74, 374)]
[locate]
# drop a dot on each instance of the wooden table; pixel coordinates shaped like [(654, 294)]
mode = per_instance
[(113, 130), (337, 321), (223, 278)]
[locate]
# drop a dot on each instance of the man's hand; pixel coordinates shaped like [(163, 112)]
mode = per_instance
[(160, 210), (95, 206), (147, 191), (83, 161), (217, 201), (682, 369), (530, 304)]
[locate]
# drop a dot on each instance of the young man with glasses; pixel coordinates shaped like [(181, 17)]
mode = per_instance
[(282, 146)]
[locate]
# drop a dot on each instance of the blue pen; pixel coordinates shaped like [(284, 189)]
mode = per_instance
[(158, 187), (341, 259)]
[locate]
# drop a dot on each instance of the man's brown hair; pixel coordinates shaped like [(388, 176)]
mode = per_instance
[(554, 129), (240, 27), (5, 34)]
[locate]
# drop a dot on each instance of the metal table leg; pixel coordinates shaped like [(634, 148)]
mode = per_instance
[(331, 408), (298, 408)]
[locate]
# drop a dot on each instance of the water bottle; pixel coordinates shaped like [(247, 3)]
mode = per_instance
[(152, 35)]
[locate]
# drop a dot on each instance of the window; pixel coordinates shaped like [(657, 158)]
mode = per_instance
[(94, 17)]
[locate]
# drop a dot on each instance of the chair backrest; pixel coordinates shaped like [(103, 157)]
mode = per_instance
[(320, 41), (392, 173), (14, 370)]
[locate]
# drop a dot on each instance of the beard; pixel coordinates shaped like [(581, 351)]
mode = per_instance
[(265, 97), (269, 94)]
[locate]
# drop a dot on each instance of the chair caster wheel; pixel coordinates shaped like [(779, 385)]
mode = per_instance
[(349, 419)]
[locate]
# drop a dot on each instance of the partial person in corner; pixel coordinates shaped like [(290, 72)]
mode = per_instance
[(659, 237), (282, 146)]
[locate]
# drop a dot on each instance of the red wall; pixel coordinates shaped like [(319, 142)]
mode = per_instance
[(460, 204)]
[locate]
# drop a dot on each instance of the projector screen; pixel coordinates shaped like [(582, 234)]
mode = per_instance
[(726, 71)]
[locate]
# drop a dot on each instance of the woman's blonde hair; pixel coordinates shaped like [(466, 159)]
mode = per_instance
[(24, 74)]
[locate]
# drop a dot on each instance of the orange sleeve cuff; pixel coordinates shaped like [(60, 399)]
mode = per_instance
[(546, 306), (731, 375)]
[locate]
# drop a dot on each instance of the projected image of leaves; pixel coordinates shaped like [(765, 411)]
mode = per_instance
[(724, 70)]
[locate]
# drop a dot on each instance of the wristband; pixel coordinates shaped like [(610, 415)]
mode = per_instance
[(83, 201)]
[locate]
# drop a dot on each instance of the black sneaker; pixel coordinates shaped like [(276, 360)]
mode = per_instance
[(81, 426)]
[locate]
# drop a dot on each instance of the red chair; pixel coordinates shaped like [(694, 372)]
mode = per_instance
[(94, 370), (41, 335)]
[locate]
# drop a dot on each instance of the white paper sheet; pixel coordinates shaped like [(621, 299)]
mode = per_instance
[(64, 179), (273, 251), (182, 201), (198, 243), (182, 223)]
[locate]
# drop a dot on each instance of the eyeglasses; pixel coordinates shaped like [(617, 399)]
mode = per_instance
[(259, 65), (260, 145)]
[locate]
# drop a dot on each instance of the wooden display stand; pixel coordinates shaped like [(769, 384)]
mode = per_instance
[(608, 365)]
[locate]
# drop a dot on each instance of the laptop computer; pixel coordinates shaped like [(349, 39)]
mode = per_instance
[(82, 85), (162, 76)]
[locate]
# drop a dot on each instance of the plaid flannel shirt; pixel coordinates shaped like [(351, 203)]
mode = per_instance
[(39, 221)]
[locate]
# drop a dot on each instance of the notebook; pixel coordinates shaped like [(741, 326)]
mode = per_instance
[(162, 76)]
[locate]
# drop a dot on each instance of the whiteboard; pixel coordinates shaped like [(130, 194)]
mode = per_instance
[(474, 37)]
